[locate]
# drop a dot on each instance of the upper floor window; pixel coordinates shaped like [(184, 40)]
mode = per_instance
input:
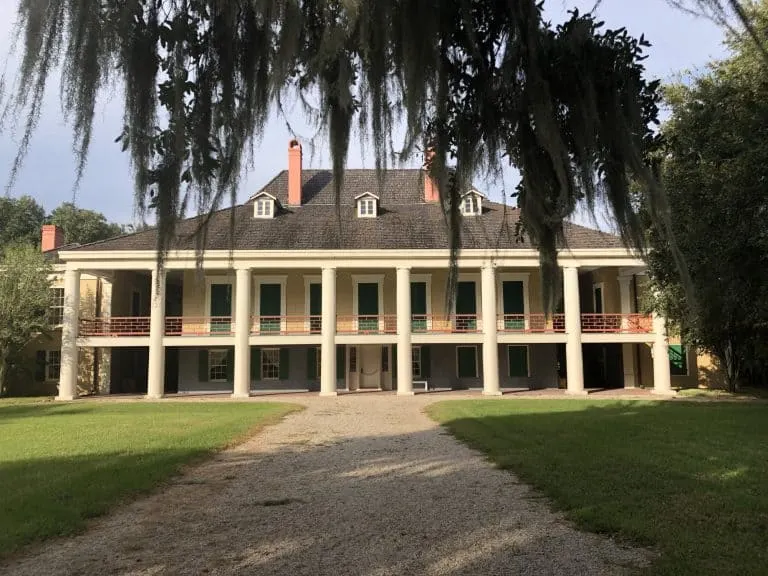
[(56, 311), (367, 205), (264, 206), (471, 204)]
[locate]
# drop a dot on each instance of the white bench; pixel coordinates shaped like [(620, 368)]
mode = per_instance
[(424, 382)]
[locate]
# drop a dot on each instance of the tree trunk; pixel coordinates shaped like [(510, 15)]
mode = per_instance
[(3, 373)]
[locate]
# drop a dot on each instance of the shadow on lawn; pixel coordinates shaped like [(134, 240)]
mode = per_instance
[(687, 478), (25, 411)]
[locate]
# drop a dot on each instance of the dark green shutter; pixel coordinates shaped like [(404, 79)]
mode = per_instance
[(418, 297), (467, 360), (513, 303), (202, 365), (678, 360), (311, 363), (393, 368), (315, 299), (230, 364), (598, 300), (426, 364), (285, 363), (255, 363), (518, 361), (40, 366), (340, 364), (466, 298)]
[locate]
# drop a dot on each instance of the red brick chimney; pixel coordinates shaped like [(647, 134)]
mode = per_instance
[(53, 238), (431, 191), (294, 173)]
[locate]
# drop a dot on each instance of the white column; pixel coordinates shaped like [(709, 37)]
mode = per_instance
[(242, 388), (573, 356), (328, 332), (156, 372), (68, 373), (662, 381), (627, 349), (404, 365), (490, 332)]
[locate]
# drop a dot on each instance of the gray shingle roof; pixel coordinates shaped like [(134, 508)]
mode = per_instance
[(405, 221)]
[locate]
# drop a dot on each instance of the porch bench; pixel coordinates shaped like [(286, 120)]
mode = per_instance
[(424, 382)]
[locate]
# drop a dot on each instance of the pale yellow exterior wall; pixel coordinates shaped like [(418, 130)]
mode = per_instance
[(609, 278)]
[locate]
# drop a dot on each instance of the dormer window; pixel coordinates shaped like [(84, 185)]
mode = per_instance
[(367, 205), (471, 203), (264, 206)]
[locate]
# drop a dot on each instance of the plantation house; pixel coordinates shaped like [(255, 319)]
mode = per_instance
[(320, 297)]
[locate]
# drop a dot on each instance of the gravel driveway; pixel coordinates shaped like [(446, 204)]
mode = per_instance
[(361, 484)]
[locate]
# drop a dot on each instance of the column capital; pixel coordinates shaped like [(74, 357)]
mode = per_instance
[(408, 268)]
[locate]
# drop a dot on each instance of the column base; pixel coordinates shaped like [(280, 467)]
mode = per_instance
[(65, 398), (665, 393), (154, 396), (577, 393), (241, 395), (491, 392), (406, 393), (329, 394)]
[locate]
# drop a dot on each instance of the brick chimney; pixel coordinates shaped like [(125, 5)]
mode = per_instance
[(431, 191), (53, 238), (294, 173)]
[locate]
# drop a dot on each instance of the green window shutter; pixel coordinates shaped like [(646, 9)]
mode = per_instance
[(368, 299), (513, 302), (255, 363), (40, 366), (466, 298), (202, 365), (678, 360), (418, 297), (518, 361), (285, 363), (393, 368), (231, 364), (311, 363), (426, 364), (340, 364), (315, 299), (467, 361)]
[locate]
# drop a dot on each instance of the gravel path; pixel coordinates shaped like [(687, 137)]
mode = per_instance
[(363, 485)]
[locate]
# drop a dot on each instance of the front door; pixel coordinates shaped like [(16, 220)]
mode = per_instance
[(269, 308), (466, 307), (221, 307), (419, 306), (315, 307), (368, 307), (370, 367), (514, 305)]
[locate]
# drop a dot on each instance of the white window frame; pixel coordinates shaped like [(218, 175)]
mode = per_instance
[(55, 290), (49, 362), (217, 352), (477, 365), (367, 279), (523, 277), (601, 286), (276, 363), (257, 282), (475, 202), (264, 207), (416, 350), (367, 207), (527, 360)]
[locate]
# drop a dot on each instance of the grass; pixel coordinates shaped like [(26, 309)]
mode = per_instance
[(688, 479), (61, 464), (742, 394)]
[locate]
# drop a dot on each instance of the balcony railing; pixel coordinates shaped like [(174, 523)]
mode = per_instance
[(114, 326), (199, 326), (531, 323), (445, 324), (285, 325), (367, 324), (617, 323)]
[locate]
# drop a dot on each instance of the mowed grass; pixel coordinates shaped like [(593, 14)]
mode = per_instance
[(687, 479), (61, 464)]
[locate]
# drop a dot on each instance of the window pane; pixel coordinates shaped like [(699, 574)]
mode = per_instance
[(678, 361), (270, 364), (53, 365), (416, 361), (217, 365), (56, 312)]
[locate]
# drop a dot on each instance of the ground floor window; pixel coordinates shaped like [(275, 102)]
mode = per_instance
[(217, 365), (416, 361), (52, 365), (518, 361), (270, 364), (466, 361), (352, 359), (678, 360), (385, 358)]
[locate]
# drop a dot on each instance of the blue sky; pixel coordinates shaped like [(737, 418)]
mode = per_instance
[(680, 42)]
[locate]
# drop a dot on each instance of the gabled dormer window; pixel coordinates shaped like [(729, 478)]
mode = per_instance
[(471, 203), (367, 205), (264, 206)]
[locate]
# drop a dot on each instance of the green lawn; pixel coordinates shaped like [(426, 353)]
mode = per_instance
[(63, 463), (689, 479)]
